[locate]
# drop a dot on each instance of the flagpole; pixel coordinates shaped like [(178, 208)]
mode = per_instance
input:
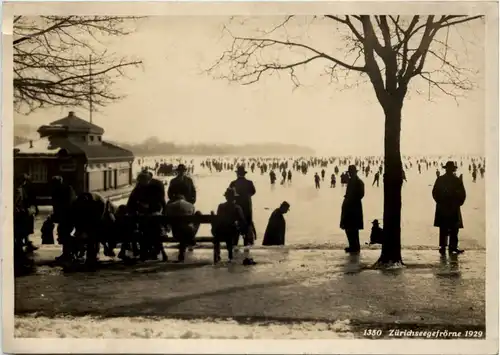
[(90, 88)]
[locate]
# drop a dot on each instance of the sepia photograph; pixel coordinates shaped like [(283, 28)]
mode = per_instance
[(251, 176)]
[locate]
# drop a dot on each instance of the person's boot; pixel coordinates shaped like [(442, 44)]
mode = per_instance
[(456, 251), (248, 261), (442, 250)]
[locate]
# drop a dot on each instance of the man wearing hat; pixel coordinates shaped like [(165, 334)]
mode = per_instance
[(182, 185), (449, 194), (228, 225), (245, 189), (276, 227), (351, 219)]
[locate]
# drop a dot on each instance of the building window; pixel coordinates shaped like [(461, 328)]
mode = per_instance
[(38, 172), (99, 138), (91, 138)]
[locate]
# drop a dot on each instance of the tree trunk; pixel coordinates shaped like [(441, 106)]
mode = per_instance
[(393, 183)]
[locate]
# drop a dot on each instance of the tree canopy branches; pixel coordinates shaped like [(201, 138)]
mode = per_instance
[(54, 58), (394, 49)]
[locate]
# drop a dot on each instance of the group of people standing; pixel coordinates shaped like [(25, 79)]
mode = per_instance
[(448, 192), (89, 214)]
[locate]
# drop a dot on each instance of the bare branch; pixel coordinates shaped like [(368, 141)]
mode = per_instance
[(51, 60)]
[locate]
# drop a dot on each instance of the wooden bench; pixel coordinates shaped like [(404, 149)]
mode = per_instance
[(167, 220)]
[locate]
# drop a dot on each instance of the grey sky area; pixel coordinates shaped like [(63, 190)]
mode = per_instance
[(172, 98)]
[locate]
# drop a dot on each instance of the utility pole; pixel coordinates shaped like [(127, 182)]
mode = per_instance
[(90, 88)]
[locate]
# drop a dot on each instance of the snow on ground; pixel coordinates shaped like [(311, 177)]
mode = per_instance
[(138, 327)]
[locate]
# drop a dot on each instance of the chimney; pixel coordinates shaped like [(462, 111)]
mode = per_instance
[(71, 113), (31, 143)]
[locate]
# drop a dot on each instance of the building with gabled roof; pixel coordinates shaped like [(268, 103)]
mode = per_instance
[(74, 149)]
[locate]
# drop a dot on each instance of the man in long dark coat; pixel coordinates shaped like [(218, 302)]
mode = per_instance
[(276, 227), (449, 194), (182, 185), (351, 219), (63, 197), (245, 189)]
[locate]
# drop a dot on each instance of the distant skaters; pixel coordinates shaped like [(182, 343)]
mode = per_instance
[(290, 176), (333, 181), (283, 176), (276, 227), (323, 174), (272, 177), (317, 180), (376, 179)]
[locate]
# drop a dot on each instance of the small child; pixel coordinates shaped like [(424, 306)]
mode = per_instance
[(377, 234), (48, 231)]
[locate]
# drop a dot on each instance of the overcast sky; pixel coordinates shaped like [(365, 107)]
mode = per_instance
[(169, 97)]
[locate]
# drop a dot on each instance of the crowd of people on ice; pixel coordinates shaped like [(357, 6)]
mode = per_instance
[(86, 221)]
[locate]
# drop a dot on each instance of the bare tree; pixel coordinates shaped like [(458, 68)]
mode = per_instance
[(389, 50), (55, 57)]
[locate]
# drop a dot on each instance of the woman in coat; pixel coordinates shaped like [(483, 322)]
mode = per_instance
[(351, 219), (276, 227)]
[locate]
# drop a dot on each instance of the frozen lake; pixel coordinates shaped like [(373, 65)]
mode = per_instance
[(314, 218), (313, 221)]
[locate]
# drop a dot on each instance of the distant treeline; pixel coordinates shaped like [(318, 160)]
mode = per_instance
[(153, 146)]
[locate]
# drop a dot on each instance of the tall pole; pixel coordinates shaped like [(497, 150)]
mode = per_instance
[(90, 88)]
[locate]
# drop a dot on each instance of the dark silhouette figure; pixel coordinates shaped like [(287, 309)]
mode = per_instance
[(47, 231), (323, 174), (272, 177), (351, 219), (317, 180), (245, 189), (182, 185), (333, 181), (449, 194), (276, 227), (376, 179), (63, 197), (377, 233), (228, 225)]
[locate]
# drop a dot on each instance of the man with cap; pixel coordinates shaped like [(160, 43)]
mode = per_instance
[(228, 224), (449, 194), (245, 189), (276, 227), (183, 185), (351, 219)]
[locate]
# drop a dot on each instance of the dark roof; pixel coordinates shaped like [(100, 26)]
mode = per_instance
[(72, 123), (93, 152)]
